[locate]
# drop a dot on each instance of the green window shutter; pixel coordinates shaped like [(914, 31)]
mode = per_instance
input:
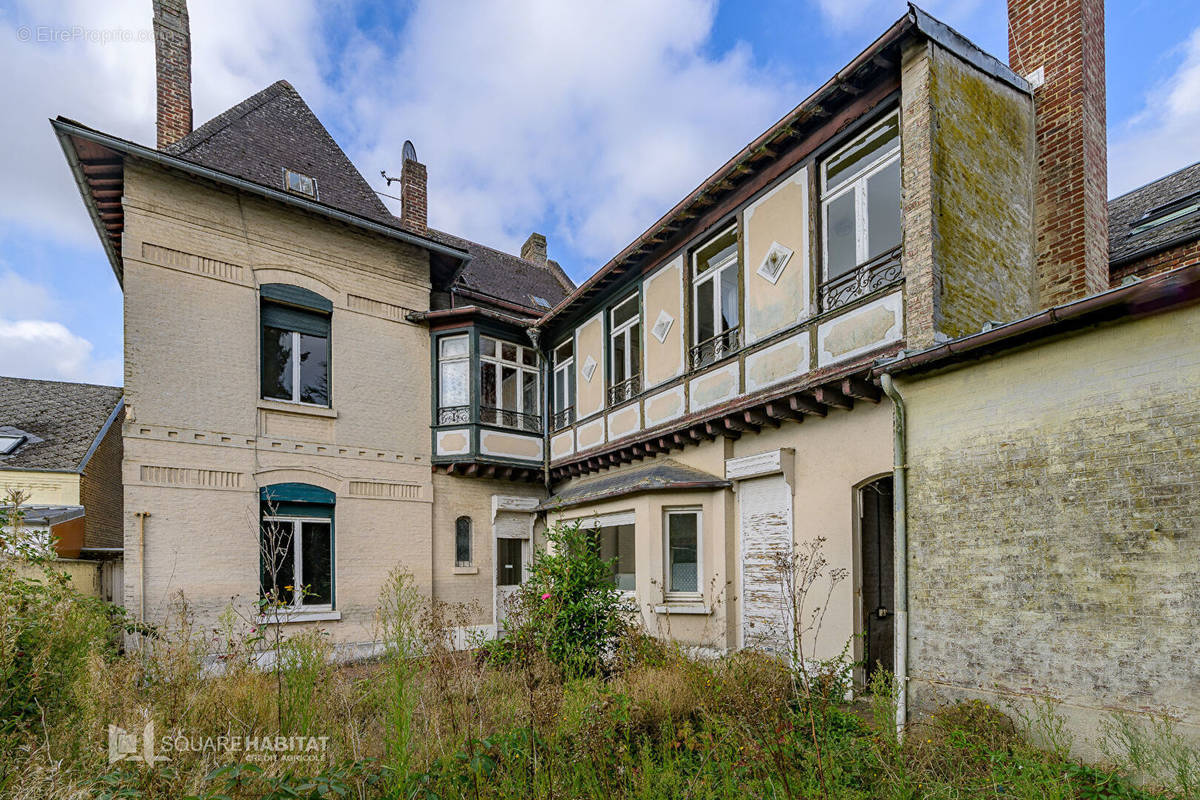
[(295, 296), (290, 318), (296, 500)]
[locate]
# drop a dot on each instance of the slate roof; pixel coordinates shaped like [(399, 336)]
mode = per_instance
[(1124, 213), (62, 420), (274, 130), (666, 474)]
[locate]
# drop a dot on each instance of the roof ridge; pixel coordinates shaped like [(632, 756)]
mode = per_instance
[(231, 115), (60, 383), (1150, 183)]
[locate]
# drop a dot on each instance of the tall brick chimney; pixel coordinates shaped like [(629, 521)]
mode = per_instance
[(414, 202), (173, 66), (534, 249), (1060, 43)]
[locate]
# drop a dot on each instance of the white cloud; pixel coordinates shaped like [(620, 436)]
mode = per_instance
[(20, 297), (1165, 135), (40, 349)]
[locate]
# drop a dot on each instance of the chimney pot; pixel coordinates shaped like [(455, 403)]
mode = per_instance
[(534, 248), (173, 70)]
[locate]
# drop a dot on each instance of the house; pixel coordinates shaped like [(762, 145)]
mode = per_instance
[(60, 446), (306, 368)]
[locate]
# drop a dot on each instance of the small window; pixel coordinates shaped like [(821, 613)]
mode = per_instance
[(295, 354), (300, 184), (683, 552), (462, 542), (1168, 212), (9, 443), (540, 301), (715, 272), (564, 385), (624, 352), (616, 545), (296, 553), (860, 199), (454, 390)]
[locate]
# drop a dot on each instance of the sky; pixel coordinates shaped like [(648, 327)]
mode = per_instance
[(582, 120)]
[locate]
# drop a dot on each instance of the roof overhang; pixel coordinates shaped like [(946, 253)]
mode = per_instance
[(97, 162), (665, 476)]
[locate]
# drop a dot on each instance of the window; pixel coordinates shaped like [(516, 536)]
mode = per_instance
[(615, 544), (296, 546), (625, 351), (509, 392), (715, 270), (683, 552), (295, 345), (9, 443), (564, 385), (1168, 212), (300, 183), (454, 383), (860, 199), (462, 542)]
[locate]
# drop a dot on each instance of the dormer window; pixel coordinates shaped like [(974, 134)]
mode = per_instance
[(300, 183)]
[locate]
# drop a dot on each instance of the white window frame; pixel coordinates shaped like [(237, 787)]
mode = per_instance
[(713, 274), (625, 331), (294, 358), (565, 367), (697, 595), (454, 359), (298, 603), (521, 367), (613, 520), (858, 185)]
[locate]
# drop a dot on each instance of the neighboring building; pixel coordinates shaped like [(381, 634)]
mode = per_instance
[(60, 444), (1157, 227), (290, 343)]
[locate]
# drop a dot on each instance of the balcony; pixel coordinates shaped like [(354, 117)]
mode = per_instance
[(454, 415), (625, 390), (861, 281), (510, 419), (713, 350), (563, 419)]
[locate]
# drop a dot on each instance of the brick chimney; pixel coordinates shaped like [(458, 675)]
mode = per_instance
[(414, 203), (173, 66), (534, 249), (1060, 44)]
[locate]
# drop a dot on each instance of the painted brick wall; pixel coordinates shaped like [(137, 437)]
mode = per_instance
[(100, 491), (1054, 525)]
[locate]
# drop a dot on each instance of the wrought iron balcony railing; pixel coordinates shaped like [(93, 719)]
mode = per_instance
[(712, 350), (874, 274), (562, 419), (454, 415), (625, 390), (510, 419)]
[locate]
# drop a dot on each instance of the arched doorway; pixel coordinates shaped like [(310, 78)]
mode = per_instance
[(878, 576)]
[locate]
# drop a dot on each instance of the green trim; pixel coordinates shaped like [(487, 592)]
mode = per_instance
[(296, 493)]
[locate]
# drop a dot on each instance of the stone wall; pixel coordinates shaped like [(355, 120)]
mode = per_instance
[(1054, 525)]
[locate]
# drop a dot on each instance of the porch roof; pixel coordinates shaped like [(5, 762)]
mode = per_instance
[(664, 475)]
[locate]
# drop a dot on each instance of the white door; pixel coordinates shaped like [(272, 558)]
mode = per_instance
[(510, 573)]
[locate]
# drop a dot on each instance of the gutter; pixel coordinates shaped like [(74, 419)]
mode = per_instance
[(899, 547), (466, 311)]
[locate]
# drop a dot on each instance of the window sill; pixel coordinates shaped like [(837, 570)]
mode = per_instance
[(289, 407), (672, 608), (285, 617), (466, 570)]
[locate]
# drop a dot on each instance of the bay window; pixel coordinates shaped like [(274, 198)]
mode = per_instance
[(564, 385), (624, 352), (715, 272), (509, 393), (295, 345), (860, 199)]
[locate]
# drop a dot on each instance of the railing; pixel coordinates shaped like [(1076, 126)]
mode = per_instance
[(454, 415), (625, 390), (510, 419), (876, 274), (562, 419), (712, 350)]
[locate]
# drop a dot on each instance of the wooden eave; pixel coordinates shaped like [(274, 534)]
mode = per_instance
[(482, 469), (100, 175)]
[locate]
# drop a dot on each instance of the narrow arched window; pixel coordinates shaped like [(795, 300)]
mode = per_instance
[(462, 542)]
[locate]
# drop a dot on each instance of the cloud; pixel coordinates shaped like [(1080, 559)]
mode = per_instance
[(1165, 135), (22, 297), (35, 348)]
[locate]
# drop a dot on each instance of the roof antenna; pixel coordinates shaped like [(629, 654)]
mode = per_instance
[(409, 153)]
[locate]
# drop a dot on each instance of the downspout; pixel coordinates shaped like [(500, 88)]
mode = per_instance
[(141, 518), (899, 547)]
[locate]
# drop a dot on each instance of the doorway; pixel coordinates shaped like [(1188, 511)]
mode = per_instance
[(876, 611), (510, 572)]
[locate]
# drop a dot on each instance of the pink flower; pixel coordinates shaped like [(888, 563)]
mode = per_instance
[(546, 596)]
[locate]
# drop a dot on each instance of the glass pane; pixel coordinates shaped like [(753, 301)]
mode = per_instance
[(717, 252), (729, 299), (276, 559), (560, 390), (704, 312), (571, 387), (454, 346), (530, 402), (616, 545), (626, 311), (682, 553), (868, 149), (508, 388), (563, 352), (487, 391), (840, 236), (529, 356), (487, 346), (618, 358), (508, 352), (508, 562), (314, 369), (277, 364), (883, 209), (454, 385), (635, 350), (317, 567), (462, 540)]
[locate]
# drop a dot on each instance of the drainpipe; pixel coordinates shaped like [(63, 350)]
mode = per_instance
[(141, 518), (899, 548)]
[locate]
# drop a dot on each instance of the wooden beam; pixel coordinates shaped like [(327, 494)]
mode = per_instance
[(861, 390), (758, 418), (733, 423), (776, 410), (682, 440), (805, 404), (832, 397), (471, 471)]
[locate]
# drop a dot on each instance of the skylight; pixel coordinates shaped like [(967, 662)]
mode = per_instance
[(300, 183), (9, 443), (541, 301), (1168, 212)]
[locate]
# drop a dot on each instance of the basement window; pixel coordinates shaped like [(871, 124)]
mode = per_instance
[(300, 183)]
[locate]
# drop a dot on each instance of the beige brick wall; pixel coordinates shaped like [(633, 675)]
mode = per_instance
[(1054, 525)]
